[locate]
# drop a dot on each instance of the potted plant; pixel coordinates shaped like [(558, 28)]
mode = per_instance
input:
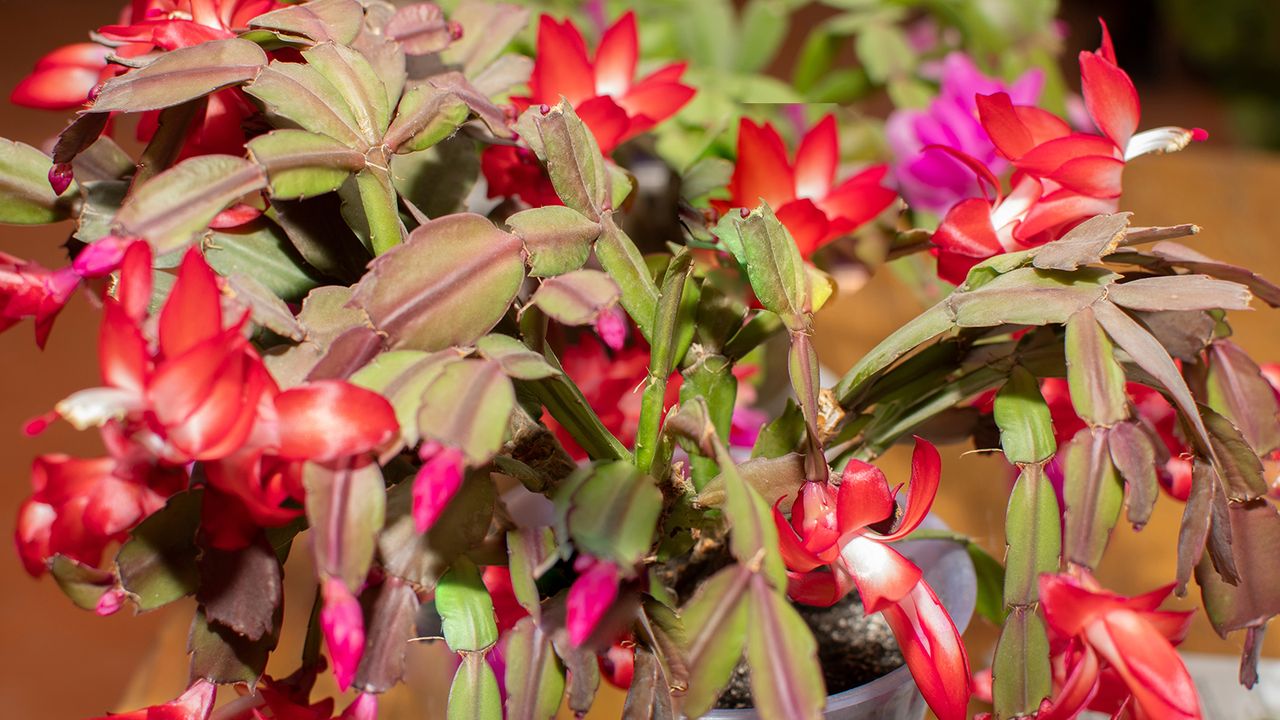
[(481, 330)]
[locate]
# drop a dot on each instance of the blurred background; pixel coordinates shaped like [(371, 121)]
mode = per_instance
[(1214, 65)]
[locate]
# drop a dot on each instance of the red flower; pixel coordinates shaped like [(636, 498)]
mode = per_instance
[(79, 506), (804, 194), (613, 385), (194, 704), (1061, 177), (63, 79), (833, 527), (1110, 638), (604, 92), (29, 290)]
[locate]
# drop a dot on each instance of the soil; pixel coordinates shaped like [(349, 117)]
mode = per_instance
[(854, 649)]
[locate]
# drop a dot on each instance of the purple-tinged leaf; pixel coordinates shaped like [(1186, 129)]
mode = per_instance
[(449, 284), (1238, 466), (1183, 334), (493, 117), (421, 29), (348, 352), (786, 680), (79, 136), (157, 564), (503, 75), (1239, 392), (468, 406), (241, 589), (663, 631), (515, 358), (614, 513), (1027, 296), (339, 21), (1218, 542), (573, 159), (474, 693), (1255, 531), (421, 559), (25, 195), (426, 116), (487, 29), (577, 298), (346, 508), (176, 205), (1033, 536), (534, 678), (582, 671), (716, 624), (1094, 377), (1020, 674), (265, 308), (357, 84), (1180, 292), (466, 609), (402, 376), (389, 626), (649, 697), (303, 164), (1135, 457), (220, 656), (84, 585), (1093, 494), (1026, 430), (103, 161), (1085, 244), (1194, 528), (1186, 258), (557, 239), (181, 75), (531, 551), (295, 94)]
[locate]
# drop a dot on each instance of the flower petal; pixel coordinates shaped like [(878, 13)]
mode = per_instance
[(193, 312), (590, 597), (964, 238), (817, 588), (607, 121), (328, 419), (807, 224), (561, 67), (615, 65), (816, 159), (649, 102), (1148, 664), (864, 497), (1110, 97), (796, 556), (926, 475), (762, 170), (882, 574), (342, 622), (435, 485), (934, 653)]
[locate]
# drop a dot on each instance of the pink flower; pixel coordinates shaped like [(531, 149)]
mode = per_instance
[(342, 622), (436, 483), (194, 704), (28, 290), (832, 527), (614, 105), (932, 180), (1127, 638), (590, 597), (804, 194)]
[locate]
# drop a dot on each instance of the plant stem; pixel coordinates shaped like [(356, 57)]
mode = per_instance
[(760, 328), (661, 358)]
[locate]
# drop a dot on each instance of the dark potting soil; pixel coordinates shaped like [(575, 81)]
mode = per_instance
[(854, 649)]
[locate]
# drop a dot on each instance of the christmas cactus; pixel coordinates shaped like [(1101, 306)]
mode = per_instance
[(479, 310)]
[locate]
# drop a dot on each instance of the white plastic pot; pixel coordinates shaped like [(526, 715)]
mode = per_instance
[(894, 696)]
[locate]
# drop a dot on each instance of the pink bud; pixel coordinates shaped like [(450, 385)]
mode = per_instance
[(1199, 134), (744, 212), (544, 108), (194, 704), (612, 328), (364, 707), (589, 599), (110, 602), (455, 30), (102, 257), (342, 623), (436, 483), (60, 177)]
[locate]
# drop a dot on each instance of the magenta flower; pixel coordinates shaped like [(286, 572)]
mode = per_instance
[(342, 622), (931, 180), (436, 483)]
